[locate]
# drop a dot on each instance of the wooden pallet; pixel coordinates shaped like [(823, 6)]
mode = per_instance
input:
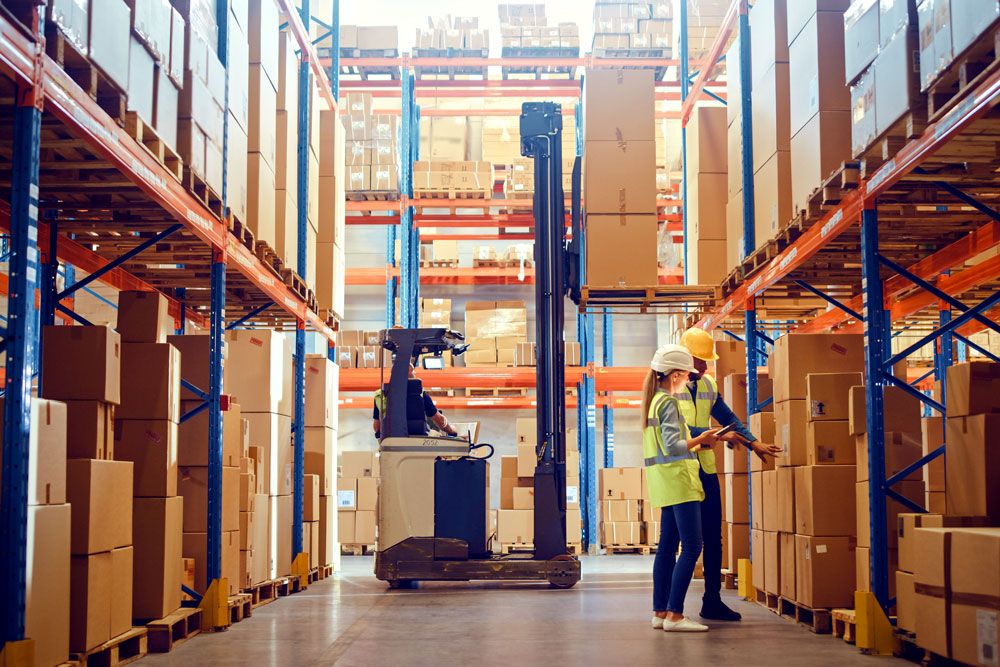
[(816, 620), (324, 572), (285, 586), (147, 137), (652, 54), (909, 126), (843, 624), (365, 72), (642, 549), (240, 607), (516, 547), (439, 263), (86, 74), (729, 580), (965, 73), (487, 263), (261, 593), (174, 629), (357, 549), (197, 186), (121, 650), (495, 392), (766, 599), (295, 283), (451, 193), (450, 71), (530, 53), (372, 195), (574, 548), (907, 648), (238, 229), (269, 257)]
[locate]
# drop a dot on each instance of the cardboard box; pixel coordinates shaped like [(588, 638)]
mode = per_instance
[(151, 446), (897, 79), (757, 500), (143, 317), (784, 481), (973, 387), (769, 500), (367, 498), (912, 490), (524, 498), (321, 391), (817, 151), (151, 376), (620, 483), (618, 105), (829, 443), (790, 432), (829, 396), (526, 460), (157, 524), (975, 587), (47, 597), (90, 430), (617, 178), (786, 553), (508, 484), (623, 533), (758, 554), (633, 241), (770, 44), (706, 147), (81, 363), (932, 581), (259, 370), (771, 121), (905, 600), (192, 483), (772, 563), (91, 580), (798, 355), (736, 538), (814, 513), (908, 523), (47, 452), (109, 41), (973, 466), (932, 437), (864, 127), (273, 433), (736, 507), (772, 196), (329, 544), (364, 527), (347, 493), (358, 464), (310, 498), (321, 457), (816, 65), (94, 489), (515, 526), (901, 450), (762, 426), (195, 546), (861, 37), (734, 391), (261, 539), (824, 571), (121, 590), (192, 436), (345, 526)]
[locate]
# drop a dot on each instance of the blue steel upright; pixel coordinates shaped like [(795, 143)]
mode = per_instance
[(21, 340), (409, 246), (301, 261), (608, 413), (217, 325), (875, 335)]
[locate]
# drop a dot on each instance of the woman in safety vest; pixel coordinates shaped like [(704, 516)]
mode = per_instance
[(671, 461)]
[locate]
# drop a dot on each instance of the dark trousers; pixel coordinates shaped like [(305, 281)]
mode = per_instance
[(679, 524), (711, 532)]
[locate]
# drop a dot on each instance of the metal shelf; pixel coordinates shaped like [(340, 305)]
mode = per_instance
[(464, 275)]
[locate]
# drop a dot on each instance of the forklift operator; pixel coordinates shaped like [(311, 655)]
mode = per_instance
[(433, 416)]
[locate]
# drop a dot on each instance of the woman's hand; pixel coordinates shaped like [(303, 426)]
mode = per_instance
[(705, 440)]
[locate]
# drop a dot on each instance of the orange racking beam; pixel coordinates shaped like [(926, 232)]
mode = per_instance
[(736, 7), (396, 204), (517, 377), (588, 61), (928, 268), (431, 220), (465, 275), (453, 113)]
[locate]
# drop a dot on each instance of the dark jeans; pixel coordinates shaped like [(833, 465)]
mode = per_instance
[(711, 533), (679, 524)]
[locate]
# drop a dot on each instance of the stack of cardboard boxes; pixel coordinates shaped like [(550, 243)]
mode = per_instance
[(516, 516), (620, 178), (771, 125), (357, 498), (704, 20), (452, 34), (321, 424), (459, 176), (881, 58), (706, 173), (948, 28), (493, 329), (639, 28), (525, 354), (331, 232), (258, 374), (947, 583), (361, 349), (819, 121), (524, 26), (47, 597), (374, 40), (146, 434), (370, 151), (734, 163), (625, 521), (83, 364)]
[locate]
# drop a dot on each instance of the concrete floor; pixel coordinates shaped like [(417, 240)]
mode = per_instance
[(351, 619)]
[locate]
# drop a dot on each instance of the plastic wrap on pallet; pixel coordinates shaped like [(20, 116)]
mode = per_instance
[(151, 23), (71, 18)]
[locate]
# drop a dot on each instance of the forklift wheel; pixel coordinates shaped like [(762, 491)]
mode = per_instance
[(560, 578)]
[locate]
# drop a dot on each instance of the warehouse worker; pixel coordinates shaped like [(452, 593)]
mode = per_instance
[(699, 403), (668, 450), (434, 417)]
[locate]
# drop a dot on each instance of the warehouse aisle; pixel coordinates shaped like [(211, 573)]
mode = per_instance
[(352, 620)]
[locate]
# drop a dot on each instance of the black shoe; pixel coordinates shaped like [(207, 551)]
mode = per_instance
[(716, 610)]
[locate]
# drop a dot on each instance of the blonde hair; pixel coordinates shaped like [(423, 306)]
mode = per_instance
[(649, 386)]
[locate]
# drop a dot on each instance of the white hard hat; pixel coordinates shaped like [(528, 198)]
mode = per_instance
[(672, 357)]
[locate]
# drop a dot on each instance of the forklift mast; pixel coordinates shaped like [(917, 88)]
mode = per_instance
[(541, 139)]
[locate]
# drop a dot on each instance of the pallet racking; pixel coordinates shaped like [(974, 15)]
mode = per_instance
[(136, 206), (882, 253)]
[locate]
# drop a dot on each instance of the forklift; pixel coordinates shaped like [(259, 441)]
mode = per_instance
[(433, 515)]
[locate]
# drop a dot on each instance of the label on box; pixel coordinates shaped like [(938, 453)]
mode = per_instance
[(986, 637), (817, 408), (814, 94), (572, 494), (345, 499), (786, 436), (821, 548)]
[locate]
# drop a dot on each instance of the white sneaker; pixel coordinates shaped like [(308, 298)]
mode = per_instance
[(683, 625), (657, 623)]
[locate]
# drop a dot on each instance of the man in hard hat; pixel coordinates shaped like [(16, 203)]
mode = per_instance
[(434, 417), (699, 405)]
